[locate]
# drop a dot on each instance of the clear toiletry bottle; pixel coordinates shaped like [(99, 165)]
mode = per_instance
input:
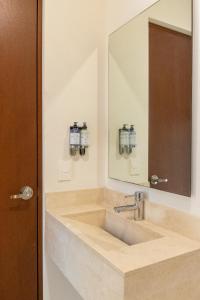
[(84, 139), (124, 140), (74, 139), (132, 139)]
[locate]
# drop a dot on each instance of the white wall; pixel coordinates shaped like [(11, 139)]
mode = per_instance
[(56, 287), (72, 68), (72, 46), (124, 11)]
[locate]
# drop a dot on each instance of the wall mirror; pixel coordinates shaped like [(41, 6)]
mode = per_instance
[(150, 98)]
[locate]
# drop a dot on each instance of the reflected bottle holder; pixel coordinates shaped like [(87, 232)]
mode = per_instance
[(127, 139)]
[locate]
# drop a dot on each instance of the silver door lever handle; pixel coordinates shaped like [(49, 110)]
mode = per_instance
[(155, 180), (26, 193)]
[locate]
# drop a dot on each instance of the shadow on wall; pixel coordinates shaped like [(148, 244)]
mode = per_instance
[(58, 287), (67, 44)]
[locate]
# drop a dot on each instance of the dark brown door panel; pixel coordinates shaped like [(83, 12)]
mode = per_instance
[(170, 108), (19, 127)]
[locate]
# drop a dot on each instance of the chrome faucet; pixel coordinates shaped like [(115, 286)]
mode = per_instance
[(138, 206)]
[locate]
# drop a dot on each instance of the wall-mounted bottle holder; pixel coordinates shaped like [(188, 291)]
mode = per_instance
[(78, 139), (127, 139)]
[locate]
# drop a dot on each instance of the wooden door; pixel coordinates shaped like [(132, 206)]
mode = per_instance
[(170, 108), (19, 138)]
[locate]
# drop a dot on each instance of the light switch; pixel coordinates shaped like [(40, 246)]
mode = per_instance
[(65, 170), (134, 167)]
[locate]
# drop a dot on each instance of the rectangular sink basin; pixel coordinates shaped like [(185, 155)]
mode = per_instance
[(127, 231)]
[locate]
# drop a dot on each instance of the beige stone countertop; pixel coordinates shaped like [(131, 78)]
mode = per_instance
[(120, 256)]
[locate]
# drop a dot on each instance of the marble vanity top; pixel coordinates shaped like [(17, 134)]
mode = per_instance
[(79, 216), (122, 257)]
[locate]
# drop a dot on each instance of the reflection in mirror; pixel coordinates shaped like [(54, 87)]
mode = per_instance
[(150, 98)]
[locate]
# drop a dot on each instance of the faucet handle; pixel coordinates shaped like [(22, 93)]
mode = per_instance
[(139, 196)]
